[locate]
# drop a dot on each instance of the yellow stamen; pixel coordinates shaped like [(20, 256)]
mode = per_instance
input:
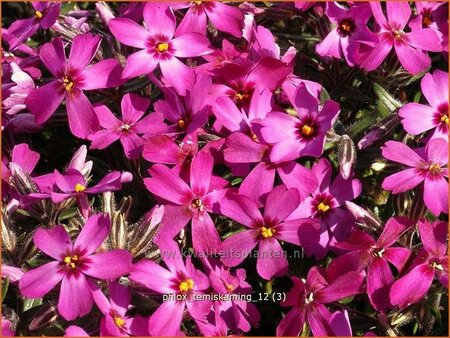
[(241, 96), (197, 204), (323, 207), (68, 83), (434, 168), (38, 15), (437, 266), (162, 47), (307, 130), (378, 253), (230, 288), (445, 119), (125, 127), (187, 285), (181, 123), (267, 232), (254, 137), (398, 34), (71, 261), (197, 3), (119, 321), (79, 187)]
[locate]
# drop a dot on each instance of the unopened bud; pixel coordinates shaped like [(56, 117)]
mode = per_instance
[(379, 132), (347, 156), (104, 12), (364, 216), (21, 180), (45, 316), (145, 231)]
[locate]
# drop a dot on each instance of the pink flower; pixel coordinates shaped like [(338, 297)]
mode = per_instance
[(181, 280), (192, 202), (45, 15), (22, 84), (72, 76), (430, 262), (348, 32), (264, 230), (225, 18), (409, 47), (73, 185), (158, 46), (325, 205), (418, 118), (6, 328), (366, 253), (293, 137), (308, 298), (424, 166), (238, 315), (73, 265), (115, 322), (127, 129), (12, 273)]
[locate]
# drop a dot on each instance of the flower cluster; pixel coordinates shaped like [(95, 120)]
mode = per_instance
[(278, 171)]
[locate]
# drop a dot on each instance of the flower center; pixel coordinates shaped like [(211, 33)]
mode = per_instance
[(230, 288), (68, 83), (197, 204), (181, 123), (79, 187), (38, 15), (323, 207), (267, 232), (186, 286), (307, 130), (434, 168), (378, 253), (119, 321), (398, 34), (346, 27), (71, 261), (162, 47), (125, 127), (445, 119), (437, 266), (309, 298), (241, 96)]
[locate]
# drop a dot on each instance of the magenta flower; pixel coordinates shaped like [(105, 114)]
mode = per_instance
[(366, 253), (238, 315), (225, 18), (73, 265), (181, 280), (72, 76), (158, 46), (431, 261), (409, 47), (115, 322), (418, 118), (309, 297), (127, 129), (45, 15), (349, 31), (427, 166), (7, 328), (73, 185), (266, 230), (325, 205), (192, 202), (75, 331), (186, 113), (293, 137)]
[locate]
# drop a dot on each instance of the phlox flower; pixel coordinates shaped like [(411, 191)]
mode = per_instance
[(72, 77), (308, 298), (325, 204), (115, 322), (73, 265), (73, 185), (16, 91), (264, 230), (375, 256), (126, 130), (6, 328), (427, 166), (348, 32), (179, 279), (192, 202), (44, 16), (12, 273), (225, 18), (238, 315), (418, 118), (159, 47), (410, 47), (302, 135), (431, 262)]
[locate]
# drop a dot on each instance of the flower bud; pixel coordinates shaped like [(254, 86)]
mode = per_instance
[(45, 316), (347, 156), (379, 131), (104, 12), (145, 231)]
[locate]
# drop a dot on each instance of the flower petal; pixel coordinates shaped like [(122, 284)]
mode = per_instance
[(93, 233), (152, 275), (38, 282), (84, 47), (417, 118), (435, 194), (401, 153), (178, 75), (379, 280), (104, 74), (53, 57), (128, 32), (241, 209), (413, 60), (190, 45), (201, 171), (280, 203), (75, 297), (271, 259), (205, 237), (139, 63), (159, 19), (238, 246), (292, 323), (108, 265), (433, 237), (82, 118), (166, 320), (54, 242), (402, 181), (43, 102)]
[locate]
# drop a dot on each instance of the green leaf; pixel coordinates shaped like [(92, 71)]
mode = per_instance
[(31, 303), (236, 181), (5, 287), (324, 95), (361, 126), (387, 104), (417, 97), (68, 213)]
